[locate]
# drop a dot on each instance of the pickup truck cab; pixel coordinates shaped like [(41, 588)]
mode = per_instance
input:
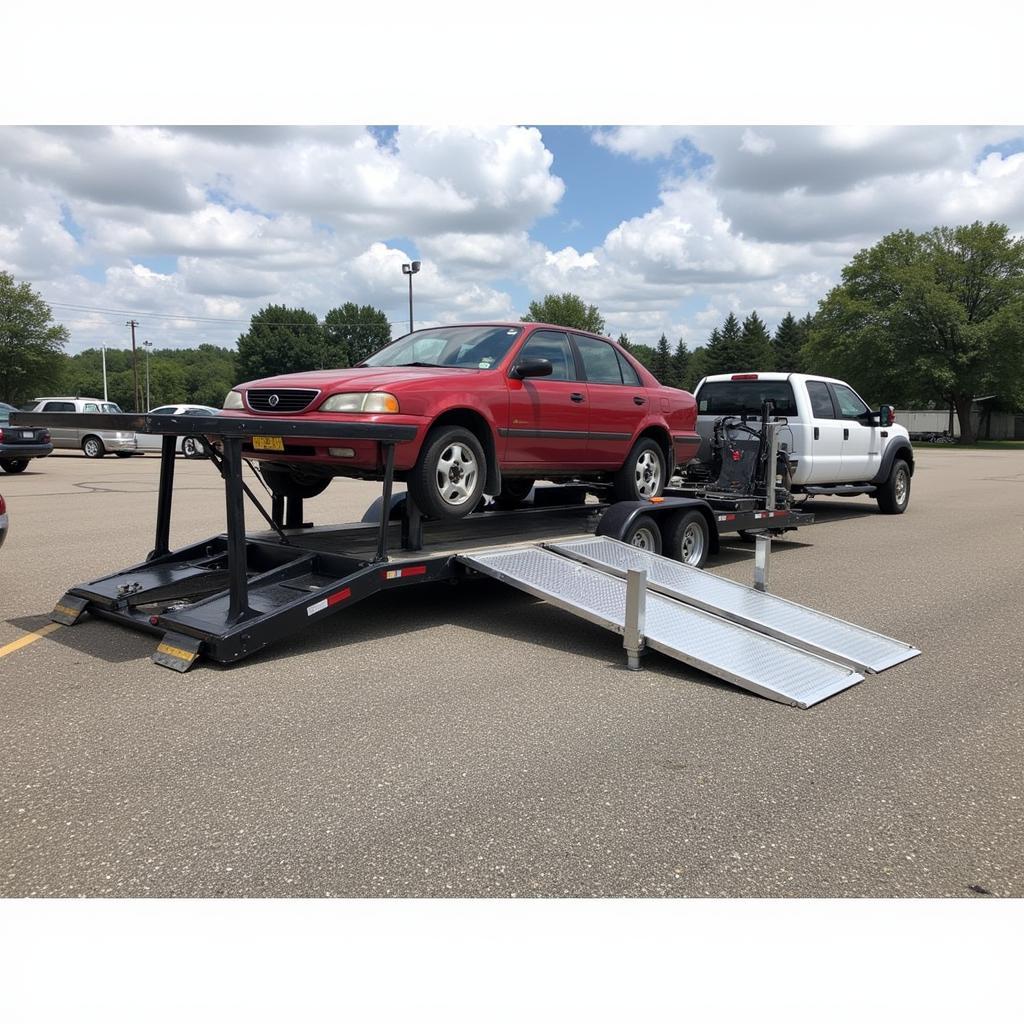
[(834, 442)]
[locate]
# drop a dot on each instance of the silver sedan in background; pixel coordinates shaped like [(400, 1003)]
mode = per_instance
[(189, 446)]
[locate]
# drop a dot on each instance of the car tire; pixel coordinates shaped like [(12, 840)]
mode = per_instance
[(14, 465), (642, 475), (644, 533), (93, 447), (192, 448), (284, 483), (514, 491), (894, 495), (124, 455), (448, 478), (688, 539)]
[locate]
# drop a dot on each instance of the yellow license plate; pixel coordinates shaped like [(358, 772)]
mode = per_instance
[(268, 444)]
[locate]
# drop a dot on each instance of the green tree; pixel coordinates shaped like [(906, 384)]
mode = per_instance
[(755, 351), (662, 365), (624, 342), (790, 337), (644, 353), (933, 316), (566, 310), (31, 343), (722, 354), (680, 365), (697, 368), (280, 340), (353, 332)]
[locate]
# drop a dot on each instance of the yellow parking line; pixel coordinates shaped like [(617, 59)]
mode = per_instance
[(28, 638)]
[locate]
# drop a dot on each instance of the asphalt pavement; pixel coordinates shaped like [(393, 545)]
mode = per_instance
[(471, 741)]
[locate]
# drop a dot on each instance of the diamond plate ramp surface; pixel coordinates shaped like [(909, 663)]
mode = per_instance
[(812, 630), (721, 648)]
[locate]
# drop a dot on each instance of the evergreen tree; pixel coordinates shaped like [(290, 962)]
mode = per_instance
[(790, 336), (644, 353), (698, 367), (680, 365), (662, 368), (755, 349), (723, 348), (624, 342)]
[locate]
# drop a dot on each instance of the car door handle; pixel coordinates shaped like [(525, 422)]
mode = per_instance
[(577, 396), (817, 434), (637, 400), (846, 433)]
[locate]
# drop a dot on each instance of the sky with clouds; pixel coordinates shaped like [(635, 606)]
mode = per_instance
[(191, 230)]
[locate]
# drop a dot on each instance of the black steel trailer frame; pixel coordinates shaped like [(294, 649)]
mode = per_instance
[(233, 594)]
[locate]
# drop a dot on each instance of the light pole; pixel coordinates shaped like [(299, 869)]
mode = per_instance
[(103, 349), (147, 345), (410, 269)]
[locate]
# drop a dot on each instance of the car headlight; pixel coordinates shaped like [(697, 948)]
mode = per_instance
[(233, 400), (361, 401)]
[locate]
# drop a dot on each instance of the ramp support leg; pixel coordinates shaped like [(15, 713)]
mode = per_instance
[(385, 507), (636, 606), (762, 561), (238, 580), (165, 492), (412, 525)]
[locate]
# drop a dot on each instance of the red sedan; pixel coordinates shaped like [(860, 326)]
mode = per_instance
[(495, 406)]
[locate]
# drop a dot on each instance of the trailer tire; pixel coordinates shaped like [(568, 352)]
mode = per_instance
[(644, 533), (284, 484), (687, 539), (642, 475), (894, 495), (447, 481), (514, 491)]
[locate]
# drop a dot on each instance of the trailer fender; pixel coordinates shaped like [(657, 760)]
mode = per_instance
[(618, 519)]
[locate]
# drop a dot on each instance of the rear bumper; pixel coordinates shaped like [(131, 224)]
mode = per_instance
[(25, 451), (117, 444)]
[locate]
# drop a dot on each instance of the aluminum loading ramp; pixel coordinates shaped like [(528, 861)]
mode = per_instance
[(728, 650), (860, 648)]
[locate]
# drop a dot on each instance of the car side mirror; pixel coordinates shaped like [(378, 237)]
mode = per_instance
[(886, 416), (531, 368)]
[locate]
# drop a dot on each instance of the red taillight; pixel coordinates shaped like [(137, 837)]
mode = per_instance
[(744, 376), (3, 505), (1, 435), (45, 436)]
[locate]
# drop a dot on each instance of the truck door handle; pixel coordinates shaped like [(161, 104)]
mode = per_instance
[(846, 433), (637, 400), (577, 396), (817, 434)]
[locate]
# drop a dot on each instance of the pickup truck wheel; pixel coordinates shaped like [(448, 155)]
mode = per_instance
[(514, 491), (93, 447), (448, 478), (644, 534), (642, 475), (894, 495), (687, 540), (285, 484), (14, 465)]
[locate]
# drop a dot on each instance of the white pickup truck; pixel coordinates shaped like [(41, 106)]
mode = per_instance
[(834, 443)]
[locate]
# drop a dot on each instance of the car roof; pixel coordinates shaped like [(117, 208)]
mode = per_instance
[(523, 324), (771, 375), (72, 398)]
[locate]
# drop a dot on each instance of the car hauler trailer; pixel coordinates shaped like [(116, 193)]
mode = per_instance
[(233, 594)]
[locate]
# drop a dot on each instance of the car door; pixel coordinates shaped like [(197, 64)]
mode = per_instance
[(826, 437), (156, 440), (616, 407), (862, 443), (547, 423), (63, 437)]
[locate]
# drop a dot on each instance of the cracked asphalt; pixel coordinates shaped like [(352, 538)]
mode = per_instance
[(471, 741)]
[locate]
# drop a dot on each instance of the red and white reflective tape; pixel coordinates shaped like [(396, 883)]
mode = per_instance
[(322, 606), (400, 574)]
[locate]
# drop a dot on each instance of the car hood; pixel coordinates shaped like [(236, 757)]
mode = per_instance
[(361, 378)]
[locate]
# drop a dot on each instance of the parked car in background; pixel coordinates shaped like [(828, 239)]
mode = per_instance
[(95, 443), (189, 445), (3, 520), (19, 444), (495, 406)]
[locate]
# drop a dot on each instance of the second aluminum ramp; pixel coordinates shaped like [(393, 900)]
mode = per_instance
[(812, 630), (715, 645)]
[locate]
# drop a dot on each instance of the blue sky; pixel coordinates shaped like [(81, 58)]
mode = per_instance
[(664, 228)]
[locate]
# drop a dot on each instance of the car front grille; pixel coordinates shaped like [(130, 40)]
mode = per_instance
[(287, 399)]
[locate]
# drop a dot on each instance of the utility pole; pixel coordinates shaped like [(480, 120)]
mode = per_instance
[(135, 366), (147, 345)]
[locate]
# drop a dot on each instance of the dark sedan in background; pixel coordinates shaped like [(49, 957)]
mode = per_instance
[(19, 444)]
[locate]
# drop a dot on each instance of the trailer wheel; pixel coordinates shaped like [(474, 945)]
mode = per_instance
[(514, 491), (284, 483), (642, 475), (93, 447), (894, 495), (14, 465), (448, 479), (645, 534), (687, 539)]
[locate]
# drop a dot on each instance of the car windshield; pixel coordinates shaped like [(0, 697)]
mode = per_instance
[(476, 348), (111, 407)]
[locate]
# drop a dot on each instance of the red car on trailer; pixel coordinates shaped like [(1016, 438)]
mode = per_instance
[(495, 407)]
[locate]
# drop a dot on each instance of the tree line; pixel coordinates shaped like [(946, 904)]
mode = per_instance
[(932, 318)]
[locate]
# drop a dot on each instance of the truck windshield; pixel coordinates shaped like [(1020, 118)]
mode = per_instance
[(744, 397), (477, 348)]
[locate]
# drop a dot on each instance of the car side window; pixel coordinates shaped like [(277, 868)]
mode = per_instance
[(554, 347), (821, 400), (58, 407), (629, 375), (600, 363), (848, 401), (164, 410), (90, 407)]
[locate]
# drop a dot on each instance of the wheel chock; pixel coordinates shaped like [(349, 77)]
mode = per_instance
[(177, 651)]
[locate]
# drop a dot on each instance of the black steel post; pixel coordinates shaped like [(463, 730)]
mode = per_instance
[(238, 605), (385, 508), (165, 492), (293, 513), (277, 508), (412, 525)]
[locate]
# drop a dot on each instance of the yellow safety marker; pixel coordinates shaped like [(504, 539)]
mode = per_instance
[(28, 638)]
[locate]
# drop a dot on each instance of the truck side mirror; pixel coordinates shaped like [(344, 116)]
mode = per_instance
[(886, 416)]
